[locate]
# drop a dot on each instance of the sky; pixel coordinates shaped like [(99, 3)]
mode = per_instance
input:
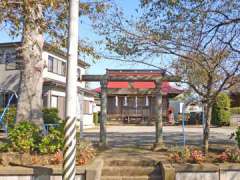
[(99, 67), (85, 31)]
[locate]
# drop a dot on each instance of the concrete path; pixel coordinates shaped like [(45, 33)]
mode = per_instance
[(119, 136)]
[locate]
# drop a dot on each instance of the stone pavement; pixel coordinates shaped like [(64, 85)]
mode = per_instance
[(119, 136)]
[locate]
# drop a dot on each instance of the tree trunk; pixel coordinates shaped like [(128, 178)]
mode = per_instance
[(207, 127), (29, 105)]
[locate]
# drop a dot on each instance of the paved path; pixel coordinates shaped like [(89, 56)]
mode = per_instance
[(119, 136)]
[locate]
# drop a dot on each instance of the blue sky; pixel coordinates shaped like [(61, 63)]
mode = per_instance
[(85, 31), (99, 67)]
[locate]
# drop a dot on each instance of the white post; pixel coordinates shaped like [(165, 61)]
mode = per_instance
[(69, 151)]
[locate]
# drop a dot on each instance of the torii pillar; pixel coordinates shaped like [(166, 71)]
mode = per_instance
[(158, 145), (103, 118)]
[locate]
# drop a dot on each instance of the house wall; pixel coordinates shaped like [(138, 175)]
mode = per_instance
[(9, 79), (87, 117), (57, 77)]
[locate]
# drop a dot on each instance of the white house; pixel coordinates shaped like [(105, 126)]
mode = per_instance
[(54, 80), (187, 107)]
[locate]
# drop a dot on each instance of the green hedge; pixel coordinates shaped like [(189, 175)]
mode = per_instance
[(26, 137), (235, 110), (221, 110), (96, 118), (50, 116)]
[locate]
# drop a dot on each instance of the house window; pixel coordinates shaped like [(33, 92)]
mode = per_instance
[(63, 67), (50, 64), (56, 66), (10, 60), (59, 64), (125, 101), (87, 107), (146, 101), (2, 58), (54, 102), (78, 73), (4, 98), (10, 57), (1, 100)]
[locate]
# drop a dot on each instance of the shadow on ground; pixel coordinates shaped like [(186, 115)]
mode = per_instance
[(118, 139)]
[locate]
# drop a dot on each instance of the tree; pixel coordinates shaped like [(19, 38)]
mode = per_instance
[(221, 110), (208, 76), (201, 37), (32, 20)]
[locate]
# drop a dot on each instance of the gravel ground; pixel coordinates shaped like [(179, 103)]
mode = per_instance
[(119, 136)]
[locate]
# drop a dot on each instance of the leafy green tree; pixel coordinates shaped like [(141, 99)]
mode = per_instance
[(32, 20), (221, 110)]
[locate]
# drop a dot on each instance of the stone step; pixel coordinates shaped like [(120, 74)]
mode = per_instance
[(130, 171), (129, 162), (131, 178)]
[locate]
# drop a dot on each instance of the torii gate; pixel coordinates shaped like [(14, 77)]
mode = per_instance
[(103, 79)]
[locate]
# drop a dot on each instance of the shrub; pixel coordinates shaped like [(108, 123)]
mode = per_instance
[(85, 152), (180, 154), (175, 157), (52, 142), (221, 110), (233, 155), (187, 155), (9, 117), (237, 136), (96, 118), (4, 147), (197, 156), (50, 116), (57, 158), (235, 110), (229, 155), (223, 157), (24, 137)]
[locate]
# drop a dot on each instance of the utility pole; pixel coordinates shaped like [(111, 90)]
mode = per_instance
[(69, 151)]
